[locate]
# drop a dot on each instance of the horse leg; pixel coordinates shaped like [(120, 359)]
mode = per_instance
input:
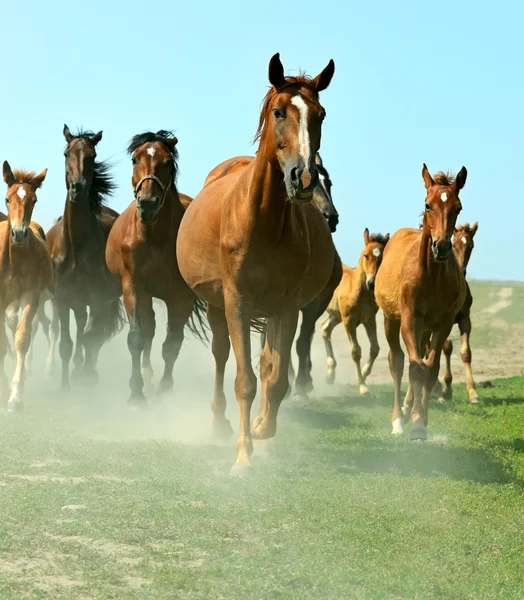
[(465, 353), (265, 370), (139, 306), (147, 369), (303, 381), (447, 391), (220, 347), (356, 351), (54, 332), (374, 348), (66, 343), (22, 343), (93, 339), (396, 367), (4, 345), (410, 396), (412, 330), (29, 355), (239, 324), (327, 329), (280, 344), (80, 313)]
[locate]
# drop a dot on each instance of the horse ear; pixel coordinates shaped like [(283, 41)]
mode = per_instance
[(318, 160), (96, 138), (172, 142), (9, 178), (386, 239), (474, 228), (276, 71), (39, 180), (428, 180), (323, 79), (366, 236), (67, 134), (460, 180)]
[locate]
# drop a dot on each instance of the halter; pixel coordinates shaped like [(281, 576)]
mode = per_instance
[(154, 178)]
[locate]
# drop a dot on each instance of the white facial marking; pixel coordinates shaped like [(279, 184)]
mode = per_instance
[(443, 196), (464, 240), (151, 151), (376, 252), (21, 193), (303, 133)]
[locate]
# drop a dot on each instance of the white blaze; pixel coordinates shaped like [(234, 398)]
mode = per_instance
[(376, 252), (303, 132), (21, 193), (464, 240), (151, 151), (443, 196)]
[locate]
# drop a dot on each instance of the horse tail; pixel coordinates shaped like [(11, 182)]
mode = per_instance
[(114, 319)]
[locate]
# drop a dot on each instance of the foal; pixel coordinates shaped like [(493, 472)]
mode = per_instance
[(26, 270), (354, 304), (421, 287)]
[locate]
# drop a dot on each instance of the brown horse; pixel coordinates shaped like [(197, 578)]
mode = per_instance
[(26, 270), (420, 287), (141, 250), (264, 250), (353, 303), (463, 246), (77, 245)]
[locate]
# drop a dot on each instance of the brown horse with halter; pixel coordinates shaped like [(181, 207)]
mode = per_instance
[(26, 270), (77, 245), (421, 287), (353, 303), (141, 251), (252, 244), (463, 247), (303, 382)]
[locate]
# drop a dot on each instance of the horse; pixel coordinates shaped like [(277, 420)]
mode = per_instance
[(264, 250), (26, 270), (420, 288), (353, 303), (463, 247), (303, 382), (141, 251), (77, 245)]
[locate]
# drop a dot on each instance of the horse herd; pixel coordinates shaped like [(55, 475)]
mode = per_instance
[(251, 250)]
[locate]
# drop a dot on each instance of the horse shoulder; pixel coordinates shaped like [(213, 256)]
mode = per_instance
[(231, 165)]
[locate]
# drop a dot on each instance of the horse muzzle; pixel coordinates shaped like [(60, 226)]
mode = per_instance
[(441, 249), (19, 235), (148, 210)]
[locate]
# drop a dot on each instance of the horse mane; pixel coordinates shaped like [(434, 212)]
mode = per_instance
[(161, 136), (298, 80), (377, 238), (442, 178), (22, 176), (103, 184), (465, 228)]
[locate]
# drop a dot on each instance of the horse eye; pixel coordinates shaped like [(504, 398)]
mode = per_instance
[(7, 200), (428, 208), (278, 113), (66, 154), (366, 256), (134, 160)]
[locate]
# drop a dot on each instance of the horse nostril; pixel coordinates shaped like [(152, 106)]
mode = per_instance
[(294, 175)]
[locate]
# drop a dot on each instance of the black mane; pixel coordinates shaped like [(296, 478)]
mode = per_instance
[(103, 184), (378, 238), (161, 136)]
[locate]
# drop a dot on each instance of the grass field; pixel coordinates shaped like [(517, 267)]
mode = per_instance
[(93, 506)]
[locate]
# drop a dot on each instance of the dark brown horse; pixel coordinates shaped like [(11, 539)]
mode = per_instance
[(77, 244), (141, 251), (264, 250), (421, 287)]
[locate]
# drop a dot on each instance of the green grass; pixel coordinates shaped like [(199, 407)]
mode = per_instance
[(339, 508)]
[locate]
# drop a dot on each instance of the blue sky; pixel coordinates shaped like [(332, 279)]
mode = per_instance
[(434, 82)]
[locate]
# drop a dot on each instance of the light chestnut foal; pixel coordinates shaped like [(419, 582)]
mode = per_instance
[(421, 287), (353, 303), (26, 271)]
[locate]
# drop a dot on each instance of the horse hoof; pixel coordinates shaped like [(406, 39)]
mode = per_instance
[(15, 407), (242, 471), (474, 400), (330, 377), (222, 429), (301, 397), (364, 391), (447, 394), (441, 400), (398, 427), (418, 431), (137, 403), (264, 430)]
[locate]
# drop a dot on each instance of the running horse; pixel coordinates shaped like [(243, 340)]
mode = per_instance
[(26, 271), (77, 244), (303, 382), (253, 245), (354, 304), (141, 251), (420, 288)]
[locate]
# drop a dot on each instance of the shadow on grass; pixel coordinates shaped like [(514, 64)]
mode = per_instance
[(320, 419)]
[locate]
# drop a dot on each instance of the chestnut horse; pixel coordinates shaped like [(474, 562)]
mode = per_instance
[(354, 304), (141, 250), (313, 311), (26, 270), (463, 246), (252, 244), (77, 245), (421, 287)]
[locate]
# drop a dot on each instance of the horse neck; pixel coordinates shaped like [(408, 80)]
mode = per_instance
[(13, 257), (360, 273), (78, 221), (169, 218)]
